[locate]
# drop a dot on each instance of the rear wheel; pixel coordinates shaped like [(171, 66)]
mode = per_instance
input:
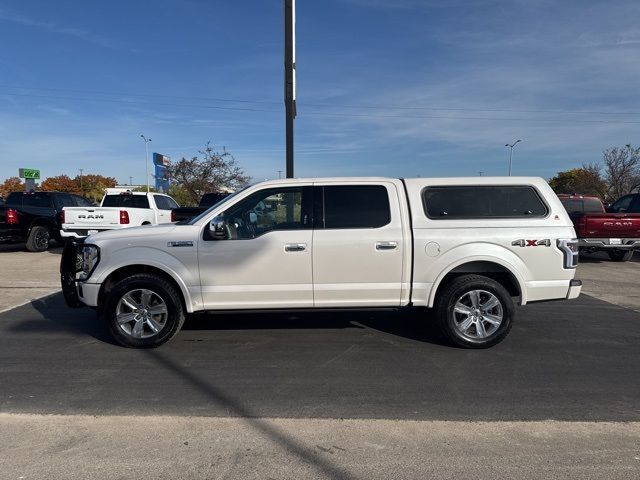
[(38, 240), (620, 255), (143, 311), (474, 311)]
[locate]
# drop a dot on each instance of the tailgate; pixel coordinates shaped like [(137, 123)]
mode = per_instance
[(90, 217), (610, 225)]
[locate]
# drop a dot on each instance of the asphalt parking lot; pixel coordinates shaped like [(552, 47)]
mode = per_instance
[(327, 395)]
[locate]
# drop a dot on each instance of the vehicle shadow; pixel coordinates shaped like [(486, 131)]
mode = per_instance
[(61, 318), (415, 325)]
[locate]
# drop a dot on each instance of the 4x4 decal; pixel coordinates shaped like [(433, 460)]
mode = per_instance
[(531, 243)]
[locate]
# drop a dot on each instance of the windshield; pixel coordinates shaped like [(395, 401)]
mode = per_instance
[(224, 200)]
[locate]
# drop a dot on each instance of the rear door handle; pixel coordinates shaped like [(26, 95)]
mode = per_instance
[(386, 245), (295, 247)]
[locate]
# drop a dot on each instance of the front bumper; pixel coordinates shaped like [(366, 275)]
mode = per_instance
[(605, 243)]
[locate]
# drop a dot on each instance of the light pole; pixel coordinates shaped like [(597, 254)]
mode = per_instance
[(511, 153), (146, 160), (289, 80), (81, 186)]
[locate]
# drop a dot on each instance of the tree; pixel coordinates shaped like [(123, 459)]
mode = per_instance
[(586, 180), (60, 183), (181, 195), (214, 171), (622, 170), (94, 186), (11, 184)]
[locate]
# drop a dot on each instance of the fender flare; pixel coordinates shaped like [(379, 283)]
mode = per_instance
[(510, 267), (159, 265)]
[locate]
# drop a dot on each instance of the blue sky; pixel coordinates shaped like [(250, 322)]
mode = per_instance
[(385, 87)]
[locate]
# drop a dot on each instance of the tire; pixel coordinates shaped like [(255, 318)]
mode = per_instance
[(139, 330), (620, 255), (38, 240), (469, 325)]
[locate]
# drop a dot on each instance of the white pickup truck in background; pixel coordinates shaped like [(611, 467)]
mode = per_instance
[(117, 210)]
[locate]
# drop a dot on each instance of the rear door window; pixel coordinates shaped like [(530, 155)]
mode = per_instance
[(353, 206), (37, 199), (65, 200), (482, 201), (622, 205), (165, 203)]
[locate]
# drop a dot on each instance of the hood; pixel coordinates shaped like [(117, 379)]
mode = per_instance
[(134, 232)]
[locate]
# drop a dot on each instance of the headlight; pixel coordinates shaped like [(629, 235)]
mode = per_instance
[(90, 258)]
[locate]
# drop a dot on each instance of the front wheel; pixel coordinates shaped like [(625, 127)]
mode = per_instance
[(143, 311), (620, 255), (474, 311)]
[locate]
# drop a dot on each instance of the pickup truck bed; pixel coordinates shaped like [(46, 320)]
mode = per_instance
[(207, 201)]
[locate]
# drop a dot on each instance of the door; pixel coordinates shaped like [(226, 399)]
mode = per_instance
[(264, 257), (164, 205), (357, 245)]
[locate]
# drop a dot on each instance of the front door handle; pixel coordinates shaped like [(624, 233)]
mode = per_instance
[(386, 245), (295, 247)]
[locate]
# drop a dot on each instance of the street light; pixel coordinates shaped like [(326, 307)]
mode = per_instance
[(146, 161), (511, 153)]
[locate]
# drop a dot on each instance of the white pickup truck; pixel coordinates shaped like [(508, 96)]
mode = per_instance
[(470, 248), (117, 210)]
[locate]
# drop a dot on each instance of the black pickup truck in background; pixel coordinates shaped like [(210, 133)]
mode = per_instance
[(34, 217), (187, 213)]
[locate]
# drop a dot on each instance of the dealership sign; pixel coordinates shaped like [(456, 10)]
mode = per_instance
[(31, 173)]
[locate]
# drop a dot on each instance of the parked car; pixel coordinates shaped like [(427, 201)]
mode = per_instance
[(34, 217), (470, 248), (207, 201), (615, 231), (116, 211)]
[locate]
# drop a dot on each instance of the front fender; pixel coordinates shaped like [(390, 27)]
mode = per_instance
[(187, 278)]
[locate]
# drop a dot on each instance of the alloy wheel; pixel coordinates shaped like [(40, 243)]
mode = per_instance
[(141, 313), (477, 314)]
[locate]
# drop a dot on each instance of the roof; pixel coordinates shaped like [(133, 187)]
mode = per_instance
[(435, 180)]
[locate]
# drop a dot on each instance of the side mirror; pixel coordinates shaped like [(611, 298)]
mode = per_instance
[(218, 228)]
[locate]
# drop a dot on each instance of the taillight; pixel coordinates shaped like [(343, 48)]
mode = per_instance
[(12, 216), (124, 217), (173, 216), (570, 249), (61, 217)]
